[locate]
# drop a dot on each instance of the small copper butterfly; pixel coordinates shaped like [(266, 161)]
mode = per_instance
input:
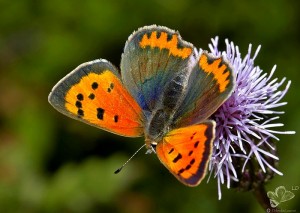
[(166, 91)]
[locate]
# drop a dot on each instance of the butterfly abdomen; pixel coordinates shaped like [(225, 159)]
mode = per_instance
[(174, 92), (161, 119)]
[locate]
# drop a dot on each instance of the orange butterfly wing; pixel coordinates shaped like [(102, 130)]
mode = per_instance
[(93, 93), (186, 152)]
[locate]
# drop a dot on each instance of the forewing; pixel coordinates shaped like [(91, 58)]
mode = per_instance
[(93, 93)]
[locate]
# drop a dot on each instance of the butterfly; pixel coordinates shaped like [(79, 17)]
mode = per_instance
[(166, 91)]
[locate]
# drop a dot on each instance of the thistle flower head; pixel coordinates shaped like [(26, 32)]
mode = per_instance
[(246, 120)]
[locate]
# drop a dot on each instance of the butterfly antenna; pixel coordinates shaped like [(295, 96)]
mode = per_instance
[(119, 169)]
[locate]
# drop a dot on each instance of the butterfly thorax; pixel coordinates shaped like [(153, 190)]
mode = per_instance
[(161, 119)]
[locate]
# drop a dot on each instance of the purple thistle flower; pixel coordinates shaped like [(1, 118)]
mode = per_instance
[(246, 120)]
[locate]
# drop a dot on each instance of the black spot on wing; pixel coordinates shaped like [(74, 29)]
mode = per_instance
[(80, 113), (171, 151), (78, 104), (100, 113), (91, 96), (192, 161), (180, 171), (94, 85), (80, 97), (193, 135), (177, 158), (116, 118), (111, 85), (188, 167)]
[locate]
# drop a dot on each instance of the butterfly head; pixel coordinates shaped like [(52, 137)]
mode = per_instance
[(150, 145)]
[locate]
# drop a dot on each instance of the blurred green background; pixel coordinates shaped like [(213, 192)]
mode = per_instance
[(51, 163)]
